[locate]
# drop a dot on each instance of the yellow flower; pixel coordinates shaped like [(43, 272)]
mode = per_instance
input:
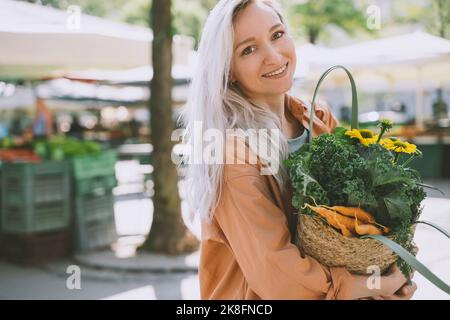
[(398, 146), (365, 136)]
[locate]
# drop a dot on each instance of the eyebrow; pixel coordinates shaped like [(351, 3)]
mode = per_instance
[(253, 39)]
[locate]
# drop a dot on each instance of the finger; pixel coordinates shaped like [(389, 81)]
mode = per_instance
[(411, 288), (399, 280), (397, 273), (403, 297), (393, 297), (407, 292)]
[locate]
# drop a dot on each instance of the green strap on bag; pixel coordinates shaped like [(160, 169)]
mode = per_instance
[(354, 123), (399, 250)]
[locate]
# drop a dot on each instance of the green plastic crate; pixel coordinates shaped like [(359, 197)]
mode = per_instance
[(94, 185), (431, 165), (36, 248), (94, 235), (93, 165), (93, 207), (35, 197), (0, 198), (446, 173)]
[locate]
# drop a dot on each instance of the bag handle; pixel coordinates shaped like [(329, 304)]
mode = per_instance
[(354, 123)]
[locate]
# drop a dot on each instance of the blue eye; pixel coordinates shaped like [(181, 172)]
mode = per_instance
[(248, 50), (278, 34)]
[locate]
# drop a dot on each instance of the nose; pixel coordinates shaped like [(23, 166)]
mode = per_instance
[(272, 56)]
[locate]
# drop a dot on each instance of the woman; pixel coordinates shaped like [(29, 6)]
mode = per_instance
[(43, 121), (247, 61)]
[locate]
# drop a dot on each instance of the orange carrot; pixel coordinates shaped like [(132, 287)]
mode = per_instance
[(345, 224), (345, 231), (355, 212), (363, 229), (359, 214)]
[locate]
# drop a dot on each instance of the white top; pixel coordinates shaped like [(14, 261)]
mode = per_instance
[(295, 143)]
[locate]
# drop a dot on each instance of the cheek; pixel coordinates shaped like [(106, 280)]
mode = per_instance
[(288, 49), (246, 70)]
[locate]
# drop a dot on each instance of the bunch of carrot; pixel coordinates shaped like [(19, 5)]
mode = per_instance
[(351, 221), (19, 155)]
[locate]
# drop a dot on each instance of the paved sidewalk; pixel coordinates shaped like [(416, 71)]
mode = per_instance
[(142, 262), (117, 274), (434, 252), (50, 283)]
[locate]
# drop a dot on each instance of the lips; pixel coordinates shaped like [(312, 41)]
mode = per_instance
[(276, 72)]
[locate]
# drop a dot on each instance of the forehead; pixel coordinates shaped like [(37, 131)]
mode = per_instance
[(256, 18)]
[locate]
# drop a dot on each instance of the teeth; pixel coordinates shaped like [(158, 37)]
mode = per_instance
[(281, 70)]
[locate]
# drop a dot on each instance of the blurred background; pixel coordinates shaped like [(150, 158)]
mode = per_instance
[(86, 168)]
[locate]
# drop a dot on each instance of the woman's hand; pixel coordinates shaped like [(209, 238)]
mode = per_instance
[(392, 281), (389, 284), (405, 293)]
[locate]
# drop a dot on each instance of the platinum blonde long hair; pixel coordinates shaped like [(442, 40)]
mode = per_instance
[(219, 105)]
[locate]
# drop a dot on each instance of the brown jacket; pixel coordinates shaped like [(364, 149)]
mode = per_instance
[(246, 250)]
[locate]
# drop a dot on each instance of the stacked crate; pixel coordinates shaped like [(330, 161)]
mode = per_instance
[(430, 165), (93, 203), (0, 204), (35, 211)]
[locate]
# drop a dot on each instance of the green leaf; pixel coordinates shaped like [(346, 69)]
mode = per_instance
[(414, 172), (398, 207), (431, 187), (339, 131), (438, 228), (359, 194), (388, 178)]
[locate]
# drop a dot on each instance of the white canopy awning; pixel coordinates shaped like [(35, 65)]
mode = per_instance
[(39, 41), (137, 76), (412, 48), (417, 60)]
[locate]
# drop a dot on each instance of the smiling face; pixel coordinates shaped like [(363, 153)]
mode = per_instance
[(264, 57)]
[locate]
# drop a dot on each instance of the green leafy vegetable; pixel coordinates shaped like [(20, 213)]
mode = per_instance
[(337, 170)]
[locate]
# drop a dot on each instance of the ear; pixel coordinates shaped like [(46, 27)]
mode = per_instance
[(231, 79)]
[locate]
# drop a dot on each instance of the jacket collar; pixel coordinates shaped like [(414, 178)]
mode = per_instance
[(300, 111)]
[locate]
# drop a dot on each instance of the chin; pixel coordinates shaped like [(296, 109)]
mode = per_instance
[(279, 88)]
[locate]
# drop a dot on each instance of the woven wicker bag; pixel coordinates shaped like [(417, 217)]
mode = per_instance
[(363, 255), (321, 241)]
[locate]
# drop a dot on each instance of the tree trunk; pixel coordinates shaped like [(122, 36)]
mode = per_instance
[(443, 17), (313, 35), (168, 233)]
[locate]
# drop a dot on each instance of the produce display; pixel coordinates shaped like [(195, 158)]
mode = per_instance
[(61, 147), (19, 155), (55, 148)]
